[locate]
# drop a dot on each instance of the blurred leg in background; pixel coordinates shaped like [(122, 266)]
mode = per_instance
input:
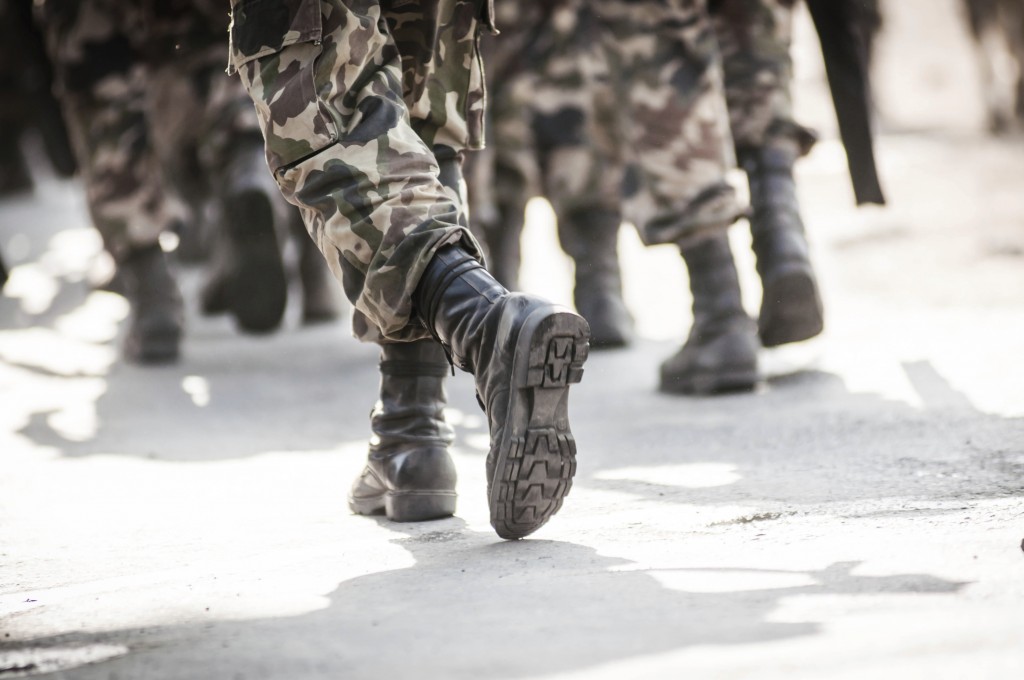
[(102, 80), (755, 37)]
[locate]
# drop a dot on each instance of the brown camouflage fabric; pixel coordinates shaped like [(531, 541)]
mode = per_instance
[(666, 68), (364, 103), (755, 37), (101, 77), (153, 117), (560, 127), (551, 124)]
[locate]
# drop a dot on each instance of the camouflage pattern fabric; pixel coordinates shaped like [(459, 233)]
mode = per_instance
[(102, 84), (152, 115), (363, 103), (551, 120), (754, 37), (666, 68)]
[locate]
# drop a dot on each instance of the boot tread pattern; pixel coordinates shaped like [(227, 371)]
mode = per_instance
[(537, 478), (560, 365)]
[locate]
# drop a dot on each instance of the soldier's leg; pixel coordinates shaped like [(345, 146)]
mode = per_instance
[(104, 104), (356, 143), (666, 65), (573, 116), (209, 138), (503, 177), (755, 40)]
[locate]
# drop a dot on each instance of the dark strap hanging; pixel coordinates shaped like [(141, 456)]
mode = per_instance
[(845, 50)]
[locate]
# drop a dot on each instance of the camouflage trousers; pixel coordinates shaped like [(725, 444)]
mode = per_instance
[(151, 114), (755, 37), (551, 128), (628, 110), (672, 116), (366, 107)]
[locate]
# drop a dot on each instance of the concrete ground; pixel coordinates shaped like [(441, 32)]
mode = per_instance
[(859, 515)]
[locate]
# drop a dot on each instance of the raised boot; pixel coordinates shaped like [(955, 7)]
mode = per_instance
[(409, 474), (720, 354), (155, 326), (524, 353), (590, 237), (791, 308), (248, 278)]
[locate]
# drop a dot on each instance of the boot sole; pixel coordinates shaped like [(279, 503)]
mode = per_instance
[(535, 460), (730, 380), (162, 351), (408, 506), (258, 290), (791, 309)]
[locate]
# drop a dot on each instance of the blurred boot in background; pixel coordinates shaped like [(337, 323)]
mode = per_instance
[(156, 321), (754, 37), (720, 354), (591, 238), (791, 308)]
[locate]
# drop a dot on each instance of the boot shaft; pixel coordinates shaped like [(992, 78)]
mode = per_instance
[(453, 299), (714, 281), (776, 228), (410, 410)]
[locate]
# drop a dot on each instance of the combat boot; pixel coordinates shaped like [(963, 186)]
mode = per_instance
[(409, 474), (524, 353), (248, 276), (590, 237), (791, 308), (155, 326), (720, 354)]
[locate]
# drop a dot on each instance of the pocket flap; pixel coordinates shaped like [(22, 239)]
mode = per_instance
[(262, 27)]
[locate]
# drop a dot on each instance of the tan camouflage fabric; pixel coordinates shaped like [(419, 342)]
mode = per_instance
[(362, 102), (666, 67), (755, 37), (551, 123), (153, 117), (104, 102)]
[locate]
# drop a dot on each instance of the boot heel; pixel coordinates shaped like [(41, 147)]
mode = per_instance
[(418, 507), (559, 348)]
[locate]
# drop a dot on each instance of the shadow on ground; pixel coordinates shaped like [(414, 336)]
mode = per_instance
[(524, 609)]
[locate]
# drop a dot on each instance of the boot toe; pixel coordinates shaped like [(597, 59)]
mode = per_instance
[(713, 364), (791, 309)]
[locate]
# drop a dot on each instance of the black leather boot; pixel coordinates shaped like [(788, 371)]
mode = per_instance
[(155, 326), (590, 237), (248, 277), (524, 353), (409, 474), (791, 308), (720, 354)]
